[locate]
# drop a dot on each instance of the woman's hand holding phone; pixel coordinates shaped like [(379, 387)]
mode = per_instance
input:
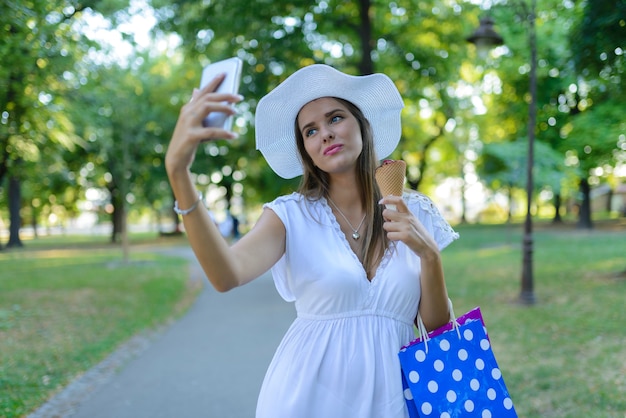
[(231, 68), (196, 123)]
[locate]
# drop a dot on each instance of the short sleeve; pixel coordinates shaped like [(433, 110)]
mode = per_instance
[(428, 214), (280, 271)]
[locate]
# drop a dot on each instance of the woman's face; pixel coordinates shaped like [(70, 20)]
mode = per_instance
[(331, 135)]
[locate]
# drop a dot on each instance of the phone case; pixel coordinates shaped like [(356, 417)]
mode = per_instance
[(230, 84)]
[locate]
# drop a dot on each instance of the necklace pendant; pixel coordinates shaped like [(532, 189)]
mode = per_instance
[(356, 236)]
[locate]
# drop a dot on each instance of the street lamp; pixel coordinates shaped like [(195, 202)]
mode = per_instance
[(484, 38)]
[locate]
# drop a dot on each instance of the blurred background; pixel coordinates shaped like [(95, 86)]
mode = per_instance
[(513, 119)]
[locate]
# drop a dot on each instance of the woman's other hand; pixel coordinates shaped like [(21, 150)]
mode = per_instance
[(402, 225)]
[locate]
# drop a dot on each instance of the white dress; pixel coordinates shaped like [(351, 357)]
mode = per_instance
[(339, 358)]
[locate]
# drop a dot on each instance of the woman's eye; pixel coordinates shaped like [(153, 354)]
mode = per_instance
[(336, 118), (309, 132)]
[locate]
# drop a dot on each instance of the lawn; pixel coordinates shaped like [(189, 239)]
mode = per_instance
[(65, 303), (565, 356)]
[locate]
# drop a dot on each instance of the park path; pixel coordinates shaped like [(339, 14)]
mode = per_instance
[(210, 363)]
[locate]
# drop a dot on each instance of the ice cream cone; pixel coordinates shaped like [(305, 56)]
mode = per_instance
[(390, 177)]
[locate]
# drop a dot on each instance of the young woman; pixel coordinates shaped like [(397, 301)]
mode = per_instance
[(357, 272)]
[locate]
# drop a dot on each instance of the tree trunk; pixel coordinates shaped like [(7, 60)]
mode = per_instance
[(15, 219), (365, 35), (557, 209), (422, 165), (125, 241), (117, 217), (4, 157), (584, 214), (33, 220)]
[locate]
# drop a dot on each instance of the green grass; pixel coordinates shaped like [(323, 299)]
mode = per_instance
[(565, 355), (68, 302)]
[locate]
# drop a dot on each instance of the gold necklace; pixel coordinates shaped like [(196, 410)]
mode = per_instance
[(355, 231)]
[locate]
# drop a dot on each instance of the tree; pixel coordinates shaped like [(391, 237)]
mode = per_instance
[(595, 139), (502, 165), (595, 132), (37, 56), (131, 113)]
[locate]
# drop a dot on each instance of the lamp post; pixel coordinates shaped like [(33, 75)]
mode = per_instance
[(486, 37)]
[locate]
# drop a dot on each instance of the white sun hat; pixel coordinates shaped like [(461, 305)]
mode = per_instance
[(375, 94)]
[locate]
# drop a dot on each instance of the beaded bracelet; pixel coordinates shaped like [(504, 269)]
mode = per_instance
[(184, 212)]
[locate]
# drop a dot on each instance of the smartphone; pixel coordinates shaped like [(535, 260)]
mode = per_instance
[(232, 68)]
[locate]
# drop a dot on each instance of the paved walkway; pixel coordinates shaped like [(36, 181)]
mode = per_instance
[(210, 363)]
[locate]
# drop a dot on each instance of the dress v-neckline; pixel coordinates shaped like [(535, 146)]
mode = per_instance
[(342, 237)]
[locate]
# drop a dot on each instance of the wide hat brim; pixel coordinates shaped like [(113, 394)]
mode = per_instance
[(375, 94)]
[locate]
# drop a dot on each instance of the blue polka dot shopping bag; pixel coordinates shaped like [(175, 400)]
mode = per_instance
[(452, 372)]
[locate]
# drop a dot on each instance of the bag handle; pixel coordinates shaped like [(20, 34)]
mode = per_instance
[(424, 332)]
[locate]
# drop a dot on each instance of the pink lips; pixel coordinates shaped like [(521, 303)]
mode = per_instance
[(333, 149)]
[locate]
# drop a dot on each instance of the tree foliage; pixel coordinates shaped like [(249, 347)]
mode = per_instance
[(596, 133), (599, 41)]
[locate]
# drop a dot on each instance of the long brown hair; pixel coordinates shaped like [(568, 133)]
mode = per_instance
[(315, 184)]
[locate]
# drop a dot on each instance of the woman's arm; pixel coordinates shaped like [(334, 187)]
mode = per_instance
[(253, 254), (402, 225)]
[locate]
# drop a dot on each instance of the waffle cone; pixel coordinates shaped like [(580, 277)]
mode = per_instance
[(390, 177)]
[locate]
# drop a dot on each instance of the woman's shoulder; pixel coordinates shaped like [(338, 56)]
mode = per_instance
[(296, 208), (294, 201), (288, 199)]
